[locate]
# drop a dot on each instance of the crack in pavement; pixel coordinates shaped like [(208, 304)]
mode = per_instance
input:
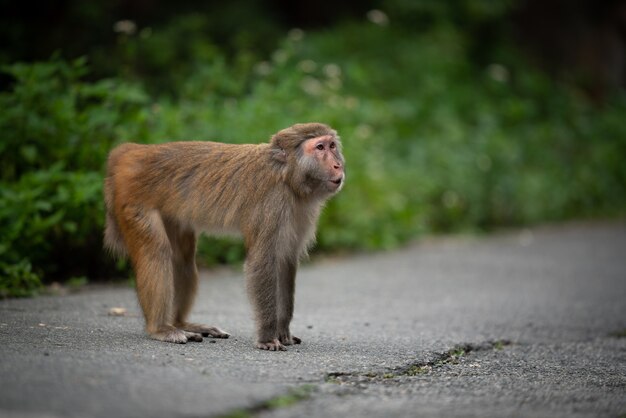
[(358, 379), (448, 357)]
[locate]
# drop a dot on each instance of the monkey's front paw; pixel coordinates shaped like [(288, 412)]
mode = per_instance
[(289, 340), (192, 336), (215, 332), (273, 345)]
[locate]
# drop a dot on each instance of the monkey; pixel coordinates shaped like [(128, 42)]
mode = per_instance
[(159, 197)]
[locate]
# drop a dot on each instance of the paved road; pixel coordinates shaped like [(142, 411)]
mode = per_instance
[(528, 323)]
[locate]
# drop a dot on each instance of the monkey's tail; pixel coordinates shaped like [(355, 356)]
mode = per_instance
[(113, 240)]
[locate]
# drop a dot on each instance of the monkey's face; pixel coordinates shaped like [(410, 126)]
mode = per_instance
[(325, 163)]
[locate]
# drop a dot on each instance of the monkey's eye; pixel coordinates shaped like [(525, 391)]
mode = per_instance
[(332, 145), (320, 147)]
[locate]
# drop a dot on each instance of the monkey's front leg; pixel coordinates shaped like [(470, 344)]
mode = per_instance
[(286, 291), (261, 280)]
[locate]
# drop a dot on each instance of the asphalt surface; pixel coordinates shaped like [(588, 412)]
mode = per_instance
[(524, 323)]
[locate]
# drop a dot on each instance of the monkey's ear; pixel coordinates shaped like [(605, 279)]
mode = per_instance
[(279, 154)]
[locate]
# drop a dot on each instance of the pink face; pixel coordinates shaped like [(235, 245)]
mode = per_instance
[(325, 150)]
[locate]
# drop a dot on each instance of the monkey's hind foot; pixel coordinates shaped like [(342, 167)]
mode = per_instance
[(174, 335), (273, 345), (205, 330)]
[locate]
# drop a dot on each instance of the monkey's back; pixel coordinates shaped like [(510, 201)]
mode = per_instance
[(200, 182)]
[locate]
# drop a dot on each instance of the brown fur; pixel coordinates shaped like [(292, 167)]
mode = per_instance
[(158, 197)]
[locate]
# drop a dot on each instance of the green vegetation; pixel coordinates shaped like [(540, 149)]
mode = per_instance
[(292, 397), (56, 133), (451, 357), (437, 138)]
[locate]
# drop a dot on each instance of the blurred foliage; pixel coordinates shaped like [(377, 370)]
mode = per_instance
[(437, 137), (56, 133), (163, 59), (52, 116)]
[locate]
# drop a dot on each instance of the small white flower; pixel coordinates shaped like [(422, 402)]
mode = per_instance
[(263, 68), (332, 70), (307, 66), (378, 17), (311, 86), (295, 34), (127, 27), (498, 72)]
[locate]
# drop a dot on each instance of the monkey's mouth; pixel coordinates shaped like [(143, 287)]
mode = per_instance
[(337, 182)]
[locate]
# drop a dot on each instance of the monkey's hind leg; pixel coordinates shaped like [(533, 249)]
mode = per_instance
[(183, 243), (151, 254)]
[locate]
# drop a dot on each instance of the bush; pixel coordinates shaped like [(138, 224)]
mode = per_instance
[(17, 280), (57, 131)]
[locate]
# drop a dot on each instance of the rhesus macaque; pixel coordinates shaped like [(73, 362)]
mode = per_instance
[(159, 197)]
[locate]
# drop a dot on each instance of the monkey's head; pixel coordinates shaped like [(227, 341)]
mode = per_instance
[(311, 155)]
